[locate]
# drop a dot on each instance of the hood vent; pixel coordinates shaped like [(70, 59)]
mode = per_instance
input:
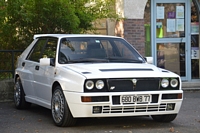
[(86, 72), (128, 69), (165, 71)]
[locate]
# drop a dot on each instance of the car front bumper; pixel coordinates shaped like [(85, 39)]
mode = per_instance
[(109, 105)]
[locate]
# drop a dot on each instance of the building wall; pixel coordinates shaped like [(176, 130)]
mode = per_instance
[(132, 27), (134, 33), (134, 9)]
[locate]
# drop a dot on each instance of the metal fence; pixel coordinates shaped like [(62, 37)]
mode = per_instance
[(8, 60)]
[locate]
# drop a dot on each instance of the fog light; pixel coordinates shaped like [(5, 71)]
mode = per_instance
[(170, 106), (97, 109)]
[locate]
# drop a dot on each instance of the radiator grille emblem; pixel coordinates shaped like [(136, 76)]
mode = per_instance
[(134, 81)]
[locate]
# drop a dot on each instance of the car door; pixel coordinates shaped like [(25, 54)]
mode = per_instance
[(44, 75), (29, 66), (26, 74)]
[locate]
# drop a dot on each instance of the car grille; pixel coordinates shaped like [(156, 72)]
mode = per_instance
[(134, 109), (142, 84)]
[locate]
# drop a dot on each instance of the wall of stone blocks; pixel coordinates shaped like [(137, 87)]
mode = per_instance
[(6, 90)]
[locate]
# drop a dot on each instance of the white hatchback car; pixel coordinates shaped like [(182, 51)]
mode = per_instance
[(80, 76)]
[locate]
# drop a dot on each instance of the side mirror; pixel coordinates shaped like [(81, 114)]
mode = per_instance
[(47, 62), (149, 60)]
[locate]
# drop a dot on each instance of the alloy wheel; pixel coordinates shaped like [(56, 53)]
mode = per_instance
[(58, 106), (17, 93)]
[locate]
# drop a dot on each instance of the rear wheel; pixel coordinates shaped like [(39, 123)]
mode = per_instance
[(60, 111), (19, 96), (164, 118)]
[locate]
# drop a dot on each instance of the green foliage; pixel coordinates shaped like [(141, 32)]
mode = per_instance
[(21, 19)]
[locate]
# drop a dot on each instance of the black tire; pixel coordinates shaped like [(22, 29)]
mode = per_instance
[(164, 118), (61, 114), (19, 96)]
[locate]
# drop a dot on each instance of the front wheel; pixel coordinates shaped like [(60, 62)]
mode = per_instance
[(164, 118), (61, 114)]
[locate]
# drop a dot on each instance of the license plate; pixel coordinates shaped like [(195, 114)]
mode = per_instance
[(135, 99)]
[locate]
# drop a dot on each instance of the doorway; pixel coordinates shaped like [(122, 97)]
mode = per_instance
[(171, 36), (195, 40)]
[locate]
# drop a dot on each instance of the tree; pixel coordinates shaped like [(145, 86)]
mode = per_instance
[(21, 19)]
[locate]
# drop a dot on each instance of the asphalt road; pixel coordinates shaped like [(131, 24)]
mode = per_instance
[(38, 120)]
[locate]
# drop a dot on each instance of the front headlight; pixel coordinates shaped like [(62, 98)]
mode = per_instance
[(99, 84), (165, 83), (89, 84), (174, 83)]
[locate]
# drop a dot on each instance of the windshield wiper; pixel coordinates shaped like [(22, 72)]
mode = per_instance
[(87, 60), (124, 60), (110, 59)]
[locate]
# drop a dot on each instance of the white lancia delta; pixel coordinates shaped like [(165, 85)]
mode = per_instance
[(79, 76)]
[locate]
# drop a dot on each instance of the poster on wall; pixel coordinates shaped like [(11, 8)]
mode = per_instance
[(171, 25), (195, 52), (179, 11), (171, 15), (160, 12), (179, 24), (195, 28)]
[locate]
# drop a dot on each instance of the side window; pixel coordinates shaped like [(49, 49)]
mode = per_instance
[(50, 48), (44, 48), (35, 54)]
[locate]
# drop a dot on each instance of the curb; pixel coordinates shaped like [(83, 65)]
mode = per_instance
[(191, 89)]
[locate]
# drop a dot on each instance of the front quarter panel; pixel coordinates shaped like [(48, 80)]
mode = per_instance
[(69, 79)]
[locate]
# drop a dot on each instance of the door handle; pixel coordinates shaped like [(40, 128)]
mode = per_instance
[(37, 67), (23, 64)]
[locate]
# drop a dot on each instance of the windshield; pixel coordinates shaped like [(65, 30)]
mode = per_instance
[(97, 49)]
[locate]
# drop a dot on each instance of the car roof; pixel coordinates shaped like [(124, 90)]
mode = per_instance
[(71, 35)]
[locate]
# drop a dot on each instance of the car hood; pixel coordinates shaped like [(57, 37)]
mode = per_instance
[(118, 70)]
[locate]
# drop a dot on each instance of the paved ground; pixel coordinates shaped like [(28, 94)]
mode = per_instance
[(38, 120)]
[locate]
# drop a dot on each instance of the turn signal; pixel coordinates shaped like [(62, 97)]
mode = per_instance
[(180, 96), (86, 99)]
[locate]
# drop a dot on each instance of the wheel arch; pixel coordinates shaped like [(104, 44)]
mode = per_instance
[(56, 83), (15, 77)]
